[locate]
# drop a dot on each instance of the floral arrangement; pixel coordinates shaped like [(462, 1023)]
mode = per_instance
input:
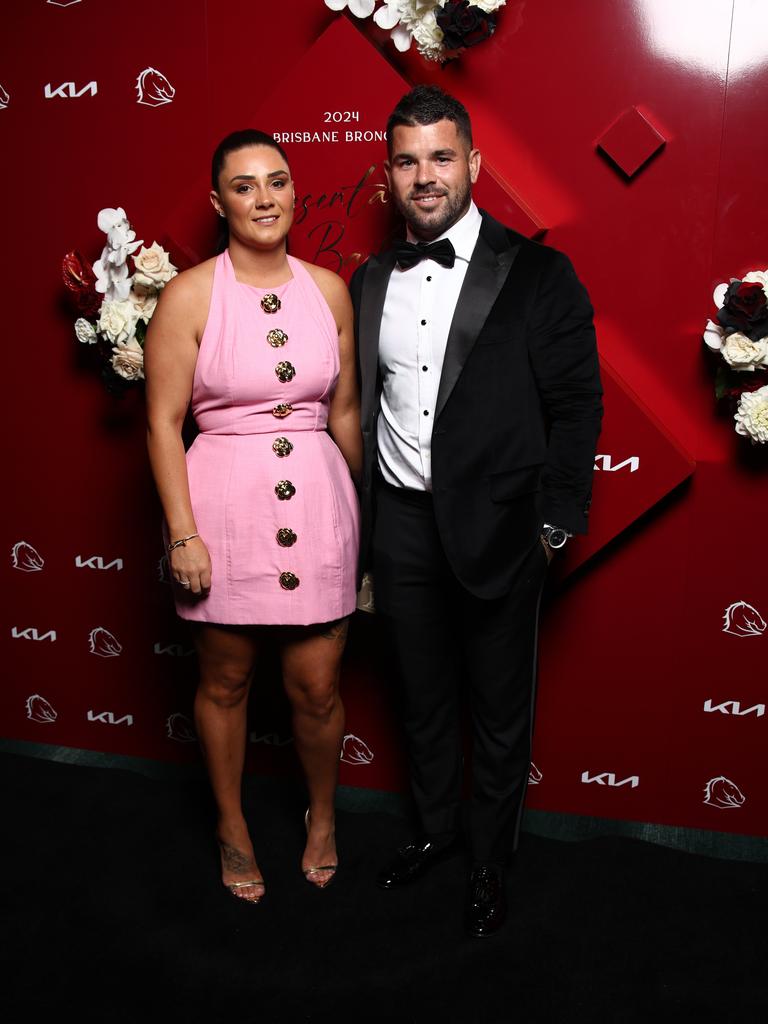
[(116, 307), (441, 29), (740, 336)]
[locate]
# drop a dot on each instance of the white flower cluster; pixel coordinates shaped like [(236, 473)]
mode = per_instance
[(410, 20), (743, 355), (739, 351), (129, 302), (752, 415)]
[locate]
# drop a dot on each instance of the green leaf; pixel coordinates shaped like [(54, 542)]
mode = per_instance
[(724, 379)]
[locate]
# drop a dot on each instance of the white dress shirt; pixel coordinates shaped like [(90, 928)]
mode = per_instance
[(418, 311)]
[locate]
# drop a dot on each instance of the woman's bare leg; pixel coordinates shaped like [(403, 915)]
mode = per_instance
[(311, 662), (227, 658)]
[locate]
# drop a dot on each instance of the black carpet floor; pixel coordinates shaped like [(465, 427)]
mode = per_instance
[(113, 912)]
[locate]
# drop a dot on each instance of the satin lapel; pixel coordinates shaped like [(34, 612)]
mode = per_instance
[(373, 294), (485, 277)]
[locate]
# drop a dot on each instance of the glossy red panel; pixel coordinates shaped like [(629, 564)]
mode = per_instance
[(646, 697)]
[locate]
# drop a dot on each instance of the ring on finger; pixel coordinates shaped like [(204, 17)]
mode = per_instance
[(185, 583)]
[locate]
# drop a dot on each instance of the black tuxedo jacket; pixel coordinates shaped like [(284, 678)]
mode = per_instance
[(518, 407)]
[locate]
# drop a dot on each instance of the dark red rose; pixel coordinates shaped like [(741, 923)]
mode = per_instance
[(463, 25), (80, 280), (745, 309)]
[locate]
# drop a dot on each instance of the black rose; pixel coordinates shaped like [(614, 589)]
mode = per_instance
[(745, 309), (463, 25)]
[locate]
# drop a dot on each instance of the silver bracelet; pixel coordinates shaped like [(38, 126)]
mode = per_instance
[(182, 542)]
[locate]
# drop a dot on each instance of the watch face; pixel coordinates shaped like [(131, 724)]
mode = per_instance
[(557, 538)]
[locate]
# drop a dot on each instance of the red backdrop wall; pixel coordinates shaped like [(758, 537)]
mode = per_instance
[(650, 709)]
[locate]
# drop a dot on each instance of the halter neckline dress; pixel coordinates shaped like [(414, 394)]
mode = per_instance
[(271, 493)]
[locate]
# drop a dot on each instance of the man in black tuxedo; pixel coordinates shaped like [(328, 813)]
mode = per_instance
[(481, 407)]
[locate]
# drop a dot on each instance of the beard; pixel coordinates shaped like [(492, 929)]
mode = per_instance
[(429, 224)]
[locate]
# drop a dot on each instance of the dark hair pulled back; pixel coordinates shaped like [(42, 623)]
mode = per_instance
[(240, 140)]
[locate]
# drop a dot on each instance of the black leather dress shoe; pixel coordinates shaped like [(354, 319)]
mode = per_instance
[(413, 860), (486, 909)]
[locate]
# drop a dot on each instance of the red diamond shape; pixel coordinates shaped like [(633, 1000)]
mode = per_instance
[(631, 141)]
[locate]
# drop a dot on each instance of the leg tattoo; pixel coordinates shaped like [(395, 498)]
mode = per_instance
[(335, 630)]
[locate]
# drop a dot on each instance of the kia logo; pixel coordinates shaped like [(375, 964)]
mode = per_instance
[(609, 779), (69, 91), (97, 562)]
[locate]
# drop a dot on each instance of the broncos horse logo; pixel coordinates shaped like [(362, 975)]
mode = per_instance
[(40, 710), (179, 727), (26, 558), (721, 792), (355, 751), (104, 643), (153, 88), (741, 619)]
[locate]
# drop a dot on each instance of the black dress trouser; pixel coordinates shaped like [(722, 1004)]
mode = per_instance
[(442, 634)]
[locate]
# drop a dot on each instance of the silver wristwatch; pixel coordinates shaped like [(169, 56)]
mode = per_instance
[(555, 536)]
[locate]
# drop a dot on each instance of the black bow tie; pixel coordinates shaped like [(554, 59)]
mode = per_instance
[(408, 254)]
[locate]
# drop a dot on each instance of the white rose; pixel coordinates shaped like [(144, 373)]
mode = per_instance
[(743, 354), (487, 6), (128, 360), (752, 415), (143, 301), (758, 277), (117, 320), (413, 11), (428, 36), (85, 332), (153, 267)]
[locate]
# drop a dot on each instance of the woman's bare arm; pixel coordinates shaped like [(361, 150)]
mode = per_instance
[(170, 355), (344, 413)]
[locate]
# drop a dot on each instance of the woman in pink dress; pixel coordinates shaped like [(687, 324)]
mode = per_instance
[(261, 514)]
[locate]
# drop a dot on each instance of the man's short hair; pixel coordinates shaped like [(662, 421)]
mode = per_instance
[(428, 104)]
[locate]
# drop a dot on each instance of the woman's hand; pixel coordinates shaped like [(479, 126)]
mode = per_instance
[(191, 566)]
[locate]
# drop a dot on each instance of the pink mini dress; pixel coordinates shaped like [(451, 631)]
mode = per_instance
[(271, 493)]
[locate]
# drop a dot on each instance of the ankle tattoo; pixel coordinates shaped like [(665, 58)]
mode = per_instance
[(234, 859)]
